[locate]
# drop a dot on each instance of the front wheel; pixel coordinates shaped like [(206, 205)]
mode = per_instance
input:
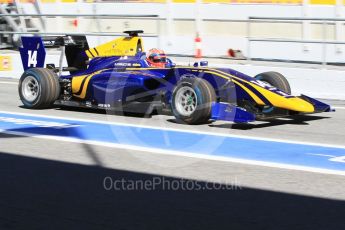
[(192, 100), (275, 79), (38, 88)]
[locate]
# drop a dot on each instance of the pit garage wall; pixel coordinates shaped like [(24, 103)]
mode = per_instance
[(217, 35), (318, 83)]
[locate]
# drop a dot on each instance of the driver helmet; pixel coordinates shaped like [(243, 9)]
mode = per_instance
[(156, 58)]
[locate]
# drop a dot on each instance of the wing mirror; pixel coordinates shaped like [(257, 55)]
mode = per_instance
[(202, 63)]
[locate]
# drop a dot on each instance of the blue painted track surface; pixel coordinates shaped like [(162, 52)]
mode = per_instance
[(234, 147)]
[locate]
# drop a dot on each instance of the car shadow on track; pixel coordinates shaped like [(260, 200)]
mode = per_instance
[(184, 123), (97, 111), (292, 120), (103, 111), (295, 120), (41, 194)]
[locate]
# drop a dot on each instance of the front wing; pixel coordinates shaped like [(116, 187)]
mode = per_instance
[(229, 112)]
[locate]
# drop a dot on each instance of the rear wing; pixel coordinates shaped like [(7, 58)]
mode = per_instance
[(33, 51)]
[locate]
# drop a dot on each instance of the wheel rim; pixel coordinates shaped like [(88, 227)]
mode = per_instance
[(30, 88), (186, 101)]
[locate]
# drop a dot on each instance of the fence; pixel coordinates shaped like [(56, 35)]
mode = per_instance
[(90, 17), (275, 2), (324, 41), (325, 22)]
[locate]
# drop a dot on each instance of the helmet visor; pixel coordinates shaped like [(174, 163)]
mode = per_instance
[(159, 60)]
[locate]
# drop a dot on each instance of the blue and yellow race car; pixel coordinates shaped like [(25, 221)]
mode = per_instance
[(119, 76)]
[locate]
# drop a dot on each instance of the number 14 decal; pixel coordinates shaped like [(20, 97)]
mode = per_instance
[(32, 58)]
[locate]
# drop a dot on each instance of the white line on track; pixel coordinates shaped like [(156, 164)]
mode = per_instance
[(321, 155), (183, 154), (179, 130), (9, 82), (337, 107)]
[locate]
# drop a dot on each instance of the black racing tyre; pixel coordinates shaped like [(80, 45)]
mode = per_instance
[(275, 79), (38, 88), (192, 100)]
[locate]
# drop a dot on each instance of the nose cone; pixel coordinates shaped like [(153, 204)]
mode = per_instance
[(300, 105)]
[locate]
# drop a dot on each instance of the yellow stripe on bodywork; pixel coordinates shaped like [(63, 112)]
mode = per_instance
[(88, 53), (293, 103), (256, 98), (93, 52), (302, 105), (124, 46), (83, 92), (77, 83), (251, 94)]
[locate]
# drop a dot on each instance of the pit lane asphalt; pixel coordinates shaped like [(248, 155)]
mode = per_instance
[(315, 189)]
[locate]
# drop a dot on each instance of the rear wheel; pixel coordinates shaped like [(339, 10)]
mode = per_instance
[(192, 100), (38, 88)]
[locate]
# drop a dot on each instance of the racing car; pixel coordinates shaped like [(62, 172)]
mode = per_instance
[(118, 76)]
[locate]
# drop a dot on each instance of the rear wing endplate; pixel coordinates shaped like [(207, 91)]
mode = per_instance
[(33, 50)]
